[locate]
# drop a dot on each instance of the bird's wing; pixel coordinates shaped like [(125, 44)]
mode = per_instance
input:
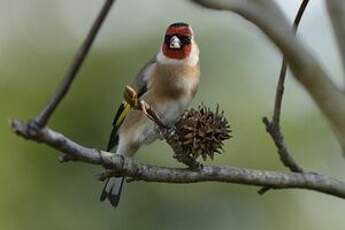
[(141, 85)]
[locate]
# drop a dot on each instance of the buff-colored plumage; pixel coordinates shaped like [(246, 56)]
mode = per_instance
[(166, 84)]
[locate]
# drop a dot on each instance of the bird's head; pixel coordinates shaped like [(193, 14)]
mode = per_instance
[(178, 45)]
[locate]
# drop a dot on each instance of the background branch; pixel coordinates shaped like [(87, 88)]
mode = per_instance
[(305, 68), (124, 166), (43, 117), (336, 11)]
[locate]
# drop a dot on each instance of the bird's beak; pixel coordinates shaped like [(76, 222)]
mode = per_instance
[(175, 42)]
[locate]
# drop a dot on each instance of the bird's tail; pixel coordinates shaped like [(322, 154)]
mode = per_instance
[(112, 190)]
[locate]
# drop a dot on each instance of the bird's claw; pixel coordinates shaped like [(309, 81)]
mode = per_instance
[(130, 96), (143, 107)]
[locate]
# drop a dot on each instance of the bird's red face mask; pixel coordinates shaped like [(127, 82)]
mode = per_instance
[(177, 41)]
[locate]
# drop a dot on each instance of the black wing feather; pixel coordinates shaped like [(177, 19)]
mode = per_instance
[(114, 138)]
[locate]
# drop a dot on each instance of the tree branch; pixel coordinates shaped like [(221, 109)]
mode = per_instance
[(124, 166), (305, 68), (273, 127), (43, 117), (336, 11), (283, 69)]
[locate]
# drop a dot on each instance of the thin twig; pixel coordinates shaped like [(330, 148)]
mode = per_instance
[(273, 127), (280, 86), (42, 119)]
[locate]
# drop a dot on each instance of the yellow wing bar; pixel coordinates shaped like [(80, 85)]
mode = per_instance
[(122, 114)]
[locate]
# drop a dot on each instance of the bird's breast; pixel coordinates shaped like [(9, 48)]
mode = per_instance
[(173, 88), (175, 82), (170, 111)]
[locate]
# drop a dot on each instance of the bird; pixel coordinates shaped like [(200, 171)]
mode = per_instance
[(167, 82)]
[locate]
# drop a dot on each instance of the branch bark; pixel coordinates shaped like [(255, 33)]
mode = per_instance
[(273, 127), (336, 11), (305, 68), (124, 166)]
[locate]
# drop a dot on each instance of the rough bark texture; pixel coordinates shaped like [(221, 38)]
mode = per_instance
[(124, 166)]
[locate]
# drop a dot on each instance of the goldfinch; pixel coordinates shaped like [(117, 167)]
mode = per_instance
[(168, 83)]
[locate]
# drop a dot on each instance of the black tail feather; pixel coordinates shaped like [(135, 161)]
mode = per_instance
[(104, 194), (112, 190)]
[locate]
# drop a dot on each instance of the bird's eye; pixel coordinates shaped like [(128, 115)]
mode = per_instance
[(167, 39), (186, 39)]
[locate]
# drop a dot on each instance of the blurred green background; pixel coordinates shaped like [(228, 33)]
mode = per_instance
[(38, 40)]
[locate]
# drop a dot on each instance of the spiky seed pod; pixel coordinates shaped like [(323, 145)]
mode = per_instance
[(201, 132)]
